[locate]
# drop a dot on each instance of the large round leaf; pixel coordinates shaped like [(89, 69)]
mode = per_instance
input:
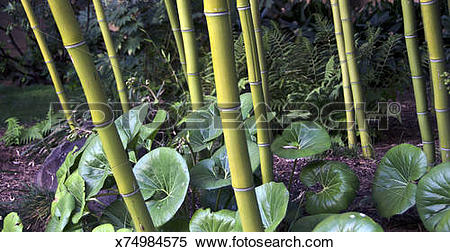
[(433, 198), (308, 223), (273, 199), (348, 222), (246, 104), (394, 185), (129, 124), (204, 220), (12, 223), (163, 177), (338, 186), (203, 127), (220, 157), (301, 139), (209, 175), (94, 167)]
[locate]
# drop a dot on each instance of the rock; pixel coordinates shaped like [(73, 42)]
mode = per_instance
[(46, 176)]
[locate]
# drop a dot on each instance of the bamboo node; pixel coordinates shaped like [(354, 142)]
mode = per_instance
[(101, 20), (215, 14), (244, 189), (113, 56), (176, 29), (193, 74), (258, 30), (257, 83), (345, 19), (263, 72), (104, 124), (338, 33), (355, 82), (425, 142), (34, 27), (187, 30), (436, 60), (441, 110), (48, 61), (122, 90), (60, 92), (417, 77), (428, 3), (444, 149), (264, 145), (410, 36), (422, 113), (243, 8), (75, 45), (127, 195), (229, 109)]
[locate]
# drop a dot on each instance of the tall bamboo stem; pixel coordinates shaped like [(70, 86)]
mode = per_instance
[(254, 79), (190, 49), (420, 89), (49, 62), (175, 24), (256, 17), (102, 116), (433, 34), (363, 128), (102, 22), (349, 112), (217, 12)]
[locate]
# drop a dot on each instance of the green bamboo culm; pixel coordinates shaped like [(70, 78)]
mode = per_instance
[(420, 89), (175, 25), (49, 62), (355, 82), (256, 17), (191, 53), (221, 39), (254, 79), (101, 113), (121, 88), (349, 112), (433, 33)]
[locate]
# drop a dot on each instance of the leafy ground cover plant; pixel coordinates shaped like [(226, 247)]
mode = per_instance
[(402, 181)]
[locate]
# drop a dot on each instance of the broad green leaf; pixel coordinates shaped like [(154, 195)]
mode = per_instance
[(204, 220), (221, 158), (208, 175), (433, 198), (63, 206), (203, 127), (163, 177), (75, 185), (94, 167), (64, 170), (127, 230), (348, 222), (338, 186), (117, 215), (12, 223), (246, 104), (148, 131), (394, 184), (217, 199), (177, 224), (250, 123), (301, 139), (104, 228), (273, 199), (308, 223), (129, 124)]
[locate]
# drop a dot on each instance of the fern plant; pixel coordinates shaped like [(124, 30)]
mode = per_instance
[(13, 132)]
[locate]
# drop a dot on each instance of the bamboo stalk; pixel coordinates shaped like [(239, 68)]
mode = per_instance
[(102, 115), (254, 78), (190, 49), (217, 12), (121, 88), (175, 24), (433, 34), (349, 112), (49, 62), (355, 82), (420, 89), (256, 17)]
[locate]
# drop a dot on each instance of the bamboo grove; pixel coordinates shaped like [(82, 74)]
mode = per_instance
[(219, 25)]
